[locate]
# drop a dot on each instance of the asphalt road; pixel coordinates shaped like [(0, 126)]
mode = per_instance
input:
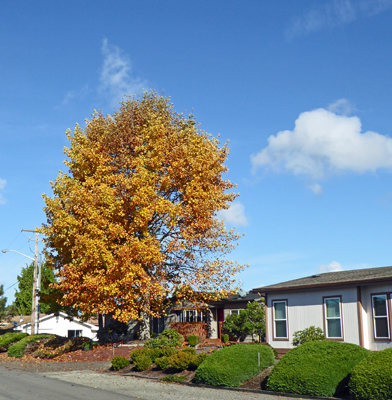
[(19, 385)]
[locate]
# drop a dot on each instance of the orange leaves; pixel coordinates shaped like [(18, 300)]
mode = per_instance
[(133, 220)]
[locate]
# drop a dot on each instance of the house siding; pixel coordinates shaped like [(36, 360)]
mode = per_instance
[(305, 308), (367, 291)]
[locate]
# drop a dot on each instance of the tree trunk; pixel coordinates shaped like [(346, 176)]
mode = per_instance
[(144, 333), (100, 328)]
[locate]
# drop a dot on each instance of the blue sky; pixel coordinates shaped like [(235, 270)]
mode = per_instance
[(301, 89)]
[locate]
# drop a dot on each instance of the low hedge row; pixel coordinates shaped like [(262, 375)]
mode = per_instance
[(371, 379), (232, 366), (318, 368), (8, 338), (18, 349), (166, 357)]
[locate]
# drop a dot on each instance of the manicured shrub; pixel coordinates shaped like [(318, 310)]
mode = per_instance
[(371, 379), (268, 345), (8, 338), (310, 334), (225, 338), (319, 368), (181, 360), (119, 362), (192, 340), (18, 349), (168, 351), (189, 350), (167, 338), (233, 365), (143, 362), (198, 360), (162, 362), (138, 353)]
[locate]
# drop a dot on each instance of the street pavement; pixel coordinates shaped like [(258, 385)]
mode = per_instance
[(20, 385)]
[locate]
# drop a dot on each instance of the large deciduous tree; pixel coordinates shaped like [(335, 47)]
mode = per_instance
[(134, 219)]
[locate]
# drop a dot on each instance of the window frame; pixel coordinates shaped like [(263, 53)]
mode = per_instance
[(388, 307), (235, 312), (274, 320), (325, 298)]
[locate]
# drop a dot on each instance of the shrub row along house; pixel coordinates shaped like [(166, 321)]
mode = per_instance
[(350, 306)]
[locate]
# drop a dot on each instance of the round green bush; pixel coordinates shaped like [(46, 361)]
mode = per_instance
[(181, 360), (162, 362), (225, 338), (371, 379), (232, 366), (168, 351), (119, 362), (143, 362), (139, 353), (319, 368), (192, 340)]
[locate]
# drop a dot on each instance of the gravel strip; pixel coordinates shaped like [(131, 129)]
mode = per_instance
[(149, 389)]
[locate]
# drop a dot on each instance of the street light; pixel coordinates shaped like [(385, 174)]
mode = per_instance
[(14, 251), (35, 300)]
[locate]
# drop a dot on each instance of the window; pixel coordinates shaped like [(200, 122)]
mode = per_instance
[(333, 318), (236, 312), (74, 333), (380, 316), (280, 319)]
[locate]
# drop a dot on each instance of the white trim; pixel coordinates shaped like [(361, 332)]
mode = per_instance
[(380, 316), (275, 320), (333, 318)]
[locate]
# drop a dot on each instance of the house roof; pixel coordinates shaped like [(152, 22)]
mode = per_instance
[(63, 315), (353, 277)]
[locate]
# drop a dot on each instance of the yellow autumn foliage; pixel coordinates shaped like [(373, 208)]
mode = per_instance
[(134, 221)]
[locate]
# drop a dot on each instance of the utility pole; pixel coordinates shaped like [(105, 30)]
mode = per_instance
[(35, 300)]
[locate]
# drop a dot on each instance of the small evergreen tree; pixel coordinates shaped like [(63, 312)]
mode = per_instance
[(23, 296), (3, 302), (250, 321)]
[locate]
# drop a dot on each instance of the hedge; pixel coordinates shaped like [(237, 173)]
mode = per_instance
[(10, 337), (17, 349), (319, 368), (232, 366), (371, 379)]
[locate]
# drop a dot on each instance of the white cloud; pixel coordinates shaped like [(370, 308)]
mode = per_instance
[(2, 186), (342, 107), (334, 266), (323, 144), (116, 79), (235, 215), (332, 13)]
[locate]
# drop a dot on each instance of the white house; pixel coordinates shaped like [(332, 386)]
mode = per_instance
[(62, 325), (349, 306)]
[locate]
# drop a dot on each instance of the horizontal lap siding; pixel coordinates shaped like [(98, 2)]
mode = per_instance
[(305, 308)]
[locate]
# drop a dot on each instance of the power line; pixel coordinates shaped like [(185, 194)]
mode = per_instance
[(10, 287)]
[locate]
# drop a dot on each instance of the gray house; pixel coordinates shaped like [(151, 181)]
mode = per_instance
[(350, 306)]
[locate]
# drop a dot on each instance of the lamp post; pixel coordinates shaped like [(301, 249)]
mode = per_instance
[(35, 298)]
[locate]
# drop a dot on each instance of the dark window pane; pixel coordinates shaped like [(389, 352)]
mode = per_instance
[(334, 330), (333, 310), (280, 310), (380, 306), (281, 331), (381, 327)]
